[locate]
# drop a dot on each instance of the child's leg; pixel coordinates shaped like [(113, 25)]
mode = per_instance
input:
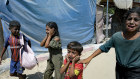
[(20, 70), (13, 68), (13, 74), (57, 61), (49, 70)]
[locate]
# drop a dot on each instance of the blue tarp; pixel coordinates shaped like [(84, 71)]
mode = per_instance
[(75, 19)]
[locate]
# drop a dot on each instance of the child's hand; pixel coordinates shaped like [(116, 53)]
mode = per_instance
[(76, 59), (86, 65), (67, 58), (51, 32)]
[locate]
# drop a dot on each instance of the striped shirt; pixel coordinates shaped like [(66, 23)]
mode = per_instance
[(14, 43)]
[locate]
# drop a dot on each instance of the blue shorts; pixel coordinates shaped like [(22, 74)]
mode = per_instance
[(15, 67)]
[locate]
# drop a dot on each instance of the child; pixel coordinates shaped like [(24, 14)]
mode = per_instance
[(53, 43), (127, 47), (13, 41), (70, 67)]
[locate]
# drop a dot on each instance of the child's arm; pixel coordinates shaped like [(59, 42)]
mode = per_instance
[(29, 43), (64, 68), (51, 32), (27, 40), (43, 41), (87, 60), (2, 53), (72, 69), (48, 41), (4, 48)]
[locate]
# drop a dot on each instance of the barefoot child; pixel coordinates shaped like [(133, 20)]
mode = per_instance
[(53, 43), (13, 40), (127, 47), (70, 67)]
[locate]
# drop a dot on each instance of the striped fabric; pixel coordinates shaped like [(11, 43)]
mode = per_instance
[(15, 47)]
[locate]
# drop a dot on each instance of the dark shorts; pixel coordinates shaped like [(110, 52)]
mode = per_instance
[(15, 67), (127, 73)]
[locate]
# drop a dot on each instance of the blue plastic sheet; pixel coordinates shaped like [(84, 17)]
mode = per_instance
[(75, 19)]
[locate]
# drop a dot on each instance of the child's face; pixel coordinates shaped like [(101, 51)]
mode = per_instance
[(47, 29), (72, 54), (132, 22), (15, 30)]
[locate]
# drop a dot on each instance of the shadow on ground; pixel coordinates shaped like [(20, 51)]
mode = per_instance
[(37, 75)]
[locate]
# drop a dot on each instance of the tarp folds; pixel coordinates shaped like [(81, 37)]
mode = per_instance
[(75, 18)]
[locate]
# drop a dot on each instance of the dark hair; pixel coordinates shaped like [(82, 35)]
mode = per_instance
[(133, 10), (14, 23), (53, 25), (74, 45)]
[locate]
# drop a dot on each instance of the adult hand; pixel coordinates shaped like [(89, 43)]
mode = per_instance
[(84, 61)]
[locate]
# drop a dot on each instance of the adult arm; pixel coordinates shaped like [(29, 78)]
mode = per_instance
[(104, 48), (87, 60)]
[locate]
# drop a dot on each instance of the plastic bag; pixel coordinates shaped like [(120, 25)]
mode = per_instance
[(27, 57)]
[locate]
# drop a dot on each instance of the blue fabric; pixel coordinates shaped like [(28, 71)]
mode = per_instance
[(75, 19), (15, 67)]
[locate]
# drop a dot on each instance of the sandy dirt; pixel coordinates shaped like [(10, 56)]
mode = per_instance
[(101, 67)]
